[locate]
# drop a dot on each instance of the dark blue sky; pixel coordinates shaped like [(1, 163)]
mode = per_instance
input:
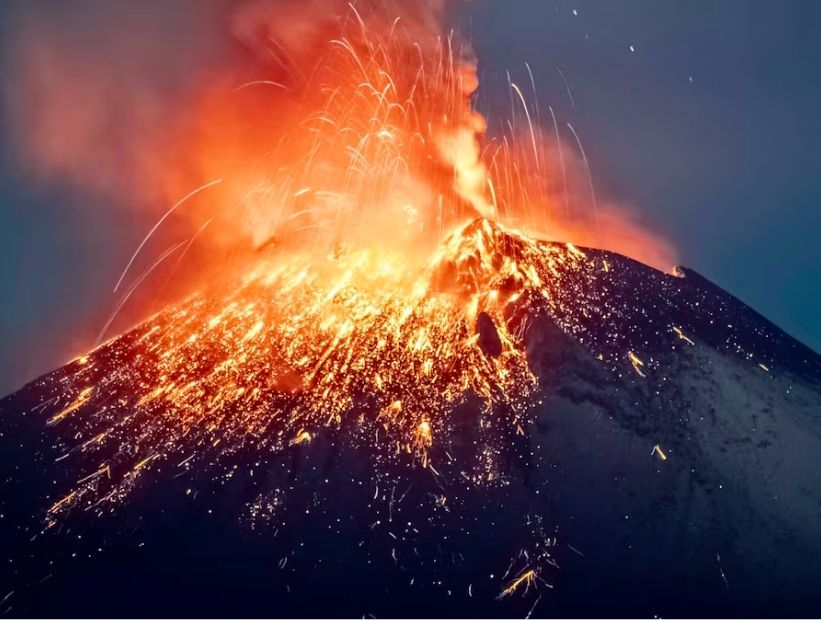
[(726, 166), (711, 128)]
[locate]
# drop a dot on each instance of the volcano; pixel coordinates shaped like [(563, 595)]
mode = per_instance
[(527, 429)]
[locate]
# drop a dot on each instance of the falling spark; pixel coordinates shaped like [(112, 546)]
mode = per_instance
[(533, 607), (260, 83), (587, 169), (566, 86), (75, 405), (721, 571), (62, 502), (636, 362), (528, 578), (303, 437), (682, 336), (134, 287), (173, 208)]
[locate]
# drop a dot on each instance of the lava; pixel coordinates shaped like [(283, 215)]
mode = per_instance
[(295, 346), (397, 264), (528, 578)]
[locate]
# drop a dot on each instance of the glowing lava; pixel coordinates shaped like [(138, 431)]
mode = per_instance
[(392, 280), (296, 345)]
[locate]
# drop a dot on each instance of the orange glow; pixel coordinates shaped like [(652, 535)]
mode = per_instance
[(291, 341), (355, 125), (528, 578), (387, 227)]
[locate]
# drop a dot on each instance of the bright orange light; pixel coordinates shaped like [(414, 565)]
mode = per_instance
[(395, 246)]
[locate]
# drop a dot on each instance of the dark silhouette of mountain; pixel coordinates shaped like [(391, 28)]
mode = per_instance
[(669, 464)]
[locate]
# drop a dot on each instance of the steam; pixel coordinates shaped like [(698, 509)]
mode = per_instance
[(98, 90)]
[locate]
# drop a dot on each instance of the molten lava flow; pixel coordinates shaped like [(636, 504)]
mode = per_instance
[(392, 278), (299, 344)]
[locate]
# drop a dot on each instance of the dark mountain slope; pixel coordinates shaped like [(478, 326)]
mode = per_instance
[(669, 464)]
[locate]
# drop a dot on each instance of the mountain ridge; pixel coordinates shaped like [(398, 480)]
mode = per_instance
[(656, 468)]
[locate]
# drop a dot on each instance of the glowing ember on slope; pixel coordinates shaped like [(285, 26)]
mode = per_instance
[(393, 281), (528, 578), (295, 346)]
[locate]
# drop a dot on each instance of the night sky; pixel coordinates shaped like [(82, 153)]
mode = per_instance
[(709, 127)]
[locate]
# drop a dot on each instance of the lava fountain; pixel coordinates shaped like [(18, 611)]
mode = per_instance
[(396, 257)]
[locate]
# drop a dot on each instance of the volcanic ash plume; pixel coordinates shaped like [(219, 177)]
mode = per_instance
[(376, 131), (320, 121)]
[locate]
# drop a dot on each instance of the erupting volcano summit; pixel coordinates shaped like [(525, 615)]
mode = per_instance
[(430, 382)]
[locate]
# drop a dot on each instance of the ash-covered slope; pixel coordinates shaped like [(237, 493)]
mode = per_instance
[(667, 461)]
